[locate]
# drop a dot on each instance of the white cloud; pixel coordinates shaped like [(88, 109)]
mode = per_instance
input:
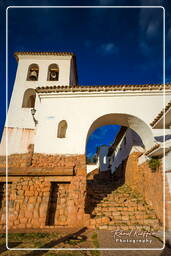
[(108, 48), (150, 22), (150, 25)]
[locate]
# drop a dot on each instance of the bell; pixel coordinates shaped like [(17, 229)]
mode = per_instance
[(53, 75), (33, 75)]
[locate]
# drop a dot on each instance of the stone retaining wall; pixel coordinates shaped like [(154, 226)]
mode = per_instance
[(52, 161), (16, 160), (168, 206), (148, 183), (31, 199), (42, 160)]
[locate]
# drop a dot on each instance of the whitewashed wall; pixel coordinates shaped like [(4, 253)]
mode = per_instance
[(104, 160), (92, 167), (130, 142), (21, 117), (83, 112)]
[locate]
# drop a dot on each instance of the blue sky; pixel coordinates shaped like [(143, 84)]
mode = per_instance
[(104, 135), (112, 46)]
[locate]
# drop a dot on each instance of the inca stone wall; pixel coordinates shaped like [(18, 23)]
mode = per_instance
[(44, 201), (148, 183), (53, 161), (16, 160), (168, 206), (32, 199)]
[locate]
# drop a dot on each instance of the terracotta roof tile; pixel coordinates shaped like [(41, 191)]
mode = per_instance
[(168, 106), (103, 88), (151, 149), (43, 53)]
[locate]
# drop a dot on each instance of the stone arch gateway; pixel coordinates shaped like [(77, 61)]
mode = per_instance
[(136, 124)]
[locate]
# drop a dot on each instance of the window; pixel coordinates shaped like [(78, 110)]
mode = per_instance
[(29, 98), (33, 72), (62, 127), (53, 72)]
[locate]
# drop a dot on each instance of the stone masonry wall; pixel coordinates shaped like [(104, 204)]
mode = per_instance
[(28, 201), (42, 160), (52, 161), (148, 183), (30, 197), (16, 160), (168, 206)]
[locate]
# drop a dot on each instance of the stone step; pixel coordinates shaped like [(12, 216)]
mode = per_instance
[(119, 207), (127, 227)]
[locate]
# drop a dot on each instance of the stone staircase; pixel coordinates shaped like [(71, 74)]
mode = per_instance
[(118, 207)]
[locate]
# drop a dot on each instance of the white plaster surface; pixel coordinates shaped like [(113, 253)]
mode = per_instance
[(92, 167), (84, 112), (18, 140), (21, 117), (104, 161), (130, 142)]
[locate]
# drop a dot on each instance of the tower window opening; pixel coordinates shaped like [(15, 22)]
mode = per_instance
[(29, 98), (53, 72), (33, 72)]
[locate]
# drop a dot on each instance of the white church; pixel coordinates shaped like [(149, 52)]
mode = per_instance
[(47, 101), (51, 115)]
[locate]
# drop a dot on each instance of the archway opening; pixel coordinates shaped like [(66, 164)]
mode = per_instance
[(101, 137), (114, 142), (136, 124), (112, 137), (109, 146)]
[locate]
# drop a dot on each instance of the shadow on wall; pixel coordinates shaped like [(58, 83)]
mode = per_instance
[(163, 138), (120, 151), (2, 184), (52, 204), (108, 182)]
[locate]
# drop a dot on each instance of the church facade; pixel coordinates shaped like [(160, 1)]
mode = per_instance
[(50, 118)]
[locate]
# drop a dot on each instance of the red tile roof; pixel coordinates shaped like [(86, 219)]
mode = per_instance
[(103, 88), (16, 54), (160, 115), (151, 149)]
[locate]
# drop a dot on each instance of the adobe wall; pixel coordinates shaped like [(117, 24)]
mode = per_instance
[(33, 198), (148, 183)]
